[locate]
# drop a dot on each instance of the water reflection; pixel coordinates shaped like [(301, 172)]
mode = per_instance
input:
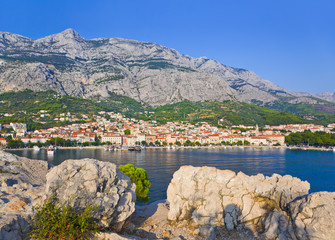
[(316, 167)]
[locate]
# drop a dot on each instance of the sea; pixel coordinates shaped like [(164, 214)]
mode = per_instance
[(316, 167)]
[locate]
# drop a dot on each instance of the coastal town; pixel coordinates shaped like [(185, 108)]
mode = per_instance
[(115, 129)]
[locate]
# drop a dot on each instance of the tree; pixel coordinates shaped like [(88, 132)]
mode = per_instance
[(144, 143), (138, 176), (178, 143), (157, 143), (127, 132)]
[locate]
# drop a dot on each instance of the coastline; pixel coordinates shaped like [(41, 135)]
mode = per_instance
[(193, 147)]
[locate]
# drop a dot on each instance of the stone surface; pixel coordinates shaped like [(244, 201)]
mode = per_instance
[(21, 187), (313, 216), (89, 182), (206, 196), (147, 72)]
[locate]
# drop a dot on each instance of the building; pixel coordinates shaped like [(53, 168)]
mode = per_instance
[(113, 139), (274, 139), (19, 128)]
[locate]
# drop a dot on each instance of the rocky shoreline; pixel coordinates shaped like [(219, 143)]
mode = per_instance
[(202, 203)]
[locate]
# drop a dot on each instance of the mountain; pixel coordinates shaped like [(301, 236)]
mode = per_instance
[(327, 96), (147, 72)]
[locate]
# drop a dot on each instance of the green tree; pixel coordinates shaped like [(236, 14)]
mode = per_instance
[(127, 132), (138, 176)]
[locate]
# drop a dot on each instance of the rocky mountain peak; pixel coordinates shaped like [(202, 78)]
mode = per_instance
[(65, 37), (146, 72)]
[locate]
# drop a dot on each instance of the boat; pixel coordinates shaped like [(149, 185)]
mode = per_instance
[(135, 148), (36, 148), (50, 150), (334, 149)]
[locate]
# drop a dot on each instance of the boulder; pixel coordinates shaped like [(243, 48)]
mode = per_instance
[(89, 182), (313, 216), (207, 197), (21, 187)]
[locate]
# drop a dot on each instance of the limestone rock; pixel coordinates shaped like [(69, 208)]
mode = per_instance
[(313, 216), (21, 187), (89, 182), (206, 196)]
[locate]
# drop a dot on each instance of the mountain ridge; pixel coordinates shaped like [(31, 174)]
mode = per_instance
[(147, 72)]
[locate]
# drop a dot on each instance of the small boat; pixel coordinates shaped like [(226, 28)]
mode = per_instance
[(36, 148), (51, 150), (334, 149), (138, 148)]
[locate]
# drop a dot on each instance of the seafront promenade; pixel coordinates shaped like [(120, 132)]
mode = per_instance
[(194, 147)]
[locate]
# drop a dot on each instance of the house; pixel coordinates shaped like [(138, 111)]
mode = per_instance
[(113, 139), (140, 137), (150, 138), (274, 139), (257, 140), (3, 142), (19, 128), (129, 140)]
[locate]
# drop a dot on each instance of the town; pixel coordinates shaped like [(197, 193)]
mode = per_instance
[(115, 129)]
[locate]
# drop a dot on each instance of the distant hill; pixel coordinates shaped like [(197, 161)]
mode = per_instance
[(327, 96)]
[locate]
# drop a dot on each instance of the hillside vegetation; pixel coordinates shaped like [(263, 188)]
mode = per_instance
[(322, 112), (224, 113), (26, 106)]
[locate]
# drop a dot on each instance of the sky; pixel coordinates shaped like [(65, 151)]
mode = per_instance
[(289, 42)]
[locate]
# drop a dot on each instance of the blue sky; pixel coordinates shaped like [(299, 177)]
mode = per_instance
[(291, 43)]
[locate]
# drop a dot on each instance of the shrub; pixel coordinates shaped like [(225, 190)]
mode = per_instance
[(140, 177), (62, 222)]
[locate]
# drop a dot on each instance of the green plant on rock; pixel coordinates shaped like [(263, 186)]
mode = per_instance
[(138, 176), (62, 222)]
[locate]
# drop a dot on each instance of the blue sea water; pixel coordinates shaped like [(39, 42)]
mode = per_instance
[(317, 167)]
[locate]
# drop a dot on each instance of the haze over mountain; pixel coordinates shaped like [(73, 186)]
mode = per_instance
[(327, 96), (147, 72)]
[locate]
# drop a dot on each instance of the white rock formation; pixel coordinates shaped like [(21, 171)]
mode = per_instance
[(313, 216), (89, 182), (21, 187), (206, 197)]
